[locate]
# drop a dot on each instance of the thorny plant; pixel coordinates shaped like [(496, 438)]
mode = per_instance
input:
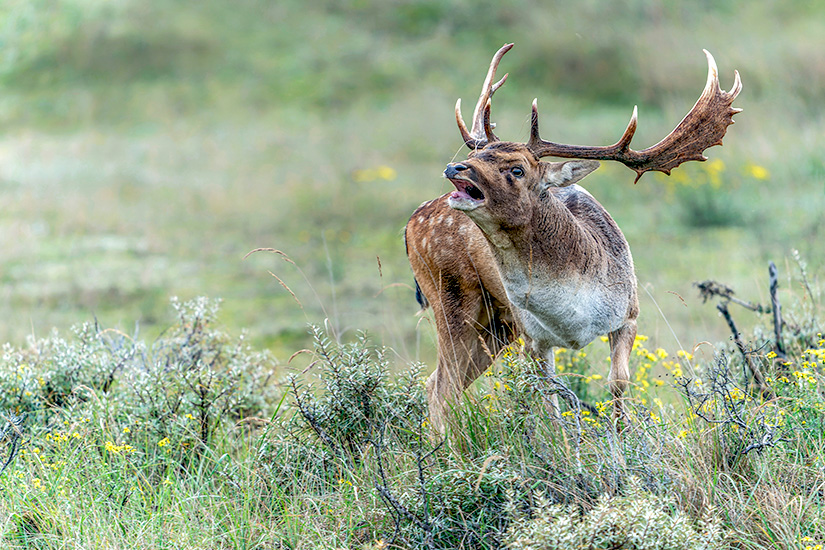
[(505, 449), (357, 397), (355, 441), (360, 408), (196, 378), (720, 401)]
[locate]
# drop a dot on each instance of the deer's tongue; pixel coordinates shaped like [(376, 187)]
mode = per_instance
[(466, 190)]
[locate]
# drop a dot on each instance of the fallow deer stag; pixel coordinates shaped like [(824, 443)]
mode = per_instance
[(518, 249)]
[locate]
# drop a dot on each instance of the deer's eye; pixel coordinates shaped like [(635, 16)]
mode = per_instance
[(517, 171)]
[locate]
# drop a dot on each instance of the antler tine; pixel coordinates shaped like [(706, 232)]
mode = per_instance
[(704, 126), (481, 133), (536, 143), (546, 148), (624, 142), (488, 126)]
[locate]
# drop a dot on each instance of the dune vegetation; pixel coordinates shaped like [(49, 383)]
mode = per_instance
[(147, 147)]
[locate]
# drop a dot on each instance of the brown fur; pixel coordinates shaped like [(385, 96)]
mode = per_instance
[(526, 225), (529, 258), (456, 271)]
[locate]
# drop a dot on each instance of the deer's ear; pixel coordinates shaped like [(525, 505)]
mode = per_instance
[(562, 174)]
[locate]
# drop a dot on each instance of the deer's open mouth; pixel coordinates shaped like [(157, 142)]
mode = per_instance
[(466, 192)]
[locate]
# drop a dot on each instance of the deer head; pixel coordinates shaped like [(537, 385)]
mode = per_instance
[(494, 186)]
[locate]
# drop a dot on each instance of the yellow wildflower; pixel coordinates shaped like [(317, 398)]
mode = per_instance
[(758, 172), (685, 355), (117, 449)]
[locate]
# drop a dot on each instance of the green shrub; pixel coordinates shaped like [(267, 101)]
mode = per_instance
[(469, 504), (157, 435), (358, 398), (194, 381), (352, 404), (636, 520)]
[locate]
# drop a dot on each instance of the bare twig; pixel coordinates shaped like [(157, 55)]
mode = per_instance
[(311, 420), (708, 289), (419, 460), (716, 403), (397, 509), (777, 311), (740, 345)]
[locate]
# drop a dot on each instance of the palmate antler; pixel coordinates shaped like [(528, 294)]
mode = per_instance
[(704, 126)]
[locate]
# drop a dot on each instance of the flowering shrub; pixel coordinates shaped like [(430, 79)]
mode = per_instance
[(346, 450), (706, 193), (638, 520), (192, 381)]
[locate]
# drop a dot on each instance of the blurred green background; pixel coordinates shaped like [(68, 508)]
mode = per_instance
[(147, 145)]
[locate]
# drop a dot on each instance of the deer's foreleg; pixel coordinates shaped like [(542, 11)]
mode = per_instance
[(464, 352)]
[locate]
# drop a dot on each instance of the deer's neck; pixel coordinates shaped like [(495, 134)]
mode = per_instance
[(552, 243)]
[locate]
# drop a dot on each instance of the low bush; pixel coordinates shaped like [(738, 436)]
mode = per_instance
[(191, 442)]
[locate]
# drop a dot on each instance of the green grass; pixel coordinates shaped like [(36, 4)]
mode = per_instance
[(146, 147), (114, 449)]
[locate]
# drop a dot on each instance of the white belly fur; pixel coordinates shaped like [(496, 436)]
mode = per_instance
[(565, 314)]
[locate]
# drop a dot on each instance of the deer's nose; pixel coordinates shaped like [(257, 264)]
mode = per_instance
[(453, 169)]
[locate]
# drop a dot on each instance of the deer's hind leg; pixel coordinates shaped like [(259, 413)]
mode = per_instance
[(621, 344)]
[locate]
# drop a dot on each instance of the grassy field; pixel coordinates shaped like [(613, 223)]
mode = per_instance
[(188, 443), (147, 146)]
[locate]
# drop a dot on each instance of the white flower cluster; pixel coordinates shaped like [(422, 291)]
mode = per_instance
[(636, 521)]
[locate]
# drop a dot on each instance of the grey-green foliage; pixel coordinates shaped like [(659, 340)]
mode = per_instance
[(468, 503), (636, 520), (192, 381), (47, 372), (345, 402), (196, 377), (357, 400)]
